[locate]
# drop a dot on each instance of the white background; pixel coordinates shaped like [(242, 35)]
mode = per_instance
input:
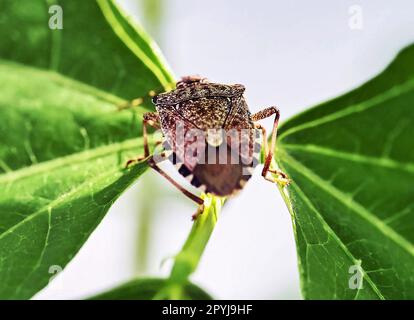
[(293, 54)]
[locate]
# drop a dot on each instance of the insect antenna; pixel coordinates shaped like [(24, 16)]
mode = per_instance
[(144, 100)]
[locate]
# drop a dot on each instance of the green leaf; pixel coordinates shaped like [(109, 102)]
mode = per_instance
[(147, 289), (63, 144), (77, 146), (98, 45), (352, 165)]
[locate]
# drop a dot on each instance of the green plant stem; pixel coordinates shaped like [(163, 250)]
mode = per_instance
[(146, 212), (187, 260)]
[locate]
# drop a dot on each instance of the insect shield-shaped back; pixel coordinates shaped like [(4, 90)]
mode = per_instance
[(210, 135)]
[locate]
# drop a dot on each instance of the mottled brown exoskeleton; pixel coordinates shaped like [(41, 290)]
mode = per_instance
[(228, 144)]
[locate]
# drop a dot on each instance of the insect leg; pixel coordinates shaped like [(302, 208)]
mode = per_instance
[(269, 151), (264, 137), (152, 119), (193, 197)]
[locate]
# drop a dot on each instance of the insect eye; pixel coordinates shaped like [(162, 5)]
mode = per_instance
[(154, 99)]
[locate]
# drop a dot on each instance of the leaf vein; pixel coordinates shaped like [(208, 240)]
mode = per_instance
[(354, 206), (377, 161), (337, 239), (365, 105)]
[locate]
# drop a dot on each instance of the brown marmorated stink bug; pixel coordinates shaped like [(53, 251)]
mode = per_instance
[(211, 137)]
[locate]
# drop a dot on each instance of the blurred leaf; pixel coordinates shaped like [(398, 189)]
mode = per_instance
[(352, 165), (147, 289), (153, 16), (63, 144)]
